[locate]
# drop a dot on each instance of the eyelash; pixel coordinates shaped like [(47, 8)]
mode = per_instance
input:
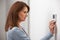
[(25, 12)]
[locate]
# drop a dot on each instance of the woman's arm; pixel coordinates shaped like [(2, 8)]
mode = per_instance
[(47, 36), (52, 24)]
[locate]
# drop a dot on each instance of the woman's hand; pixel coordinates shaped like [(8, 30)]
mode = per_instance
[(52, 24)]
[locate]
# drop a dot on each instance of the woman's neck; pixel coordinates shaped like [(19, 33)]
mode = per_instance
[(18, 23)]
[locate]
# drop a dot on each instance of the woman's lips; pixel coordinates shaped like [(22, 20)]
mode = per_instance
[(24, 17)]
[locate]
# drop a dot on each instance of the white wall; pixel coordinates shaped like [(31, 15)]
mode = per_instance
[(58, 20), (2, 19), (40, 14)]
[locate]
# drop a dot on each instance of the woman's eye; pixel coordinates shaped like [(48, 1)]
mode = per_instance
[(25, 12)]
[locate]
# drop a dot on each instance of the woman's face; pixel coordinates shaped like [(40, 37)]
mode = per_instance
[(23, 14)]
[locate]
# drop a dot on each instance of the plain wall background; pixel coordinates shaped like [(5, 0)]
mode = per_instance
[(2, 19), (40, 14)]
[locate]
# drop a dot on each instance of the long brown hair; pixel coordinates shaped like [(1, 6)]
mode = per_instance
[(13, 14)]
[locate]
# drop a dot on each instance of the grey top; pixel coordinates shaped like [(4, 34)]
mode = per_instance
[(19, 34)]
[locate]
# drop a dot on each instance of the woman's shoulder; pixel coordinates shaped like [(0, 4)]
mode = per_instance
[(14, 29)]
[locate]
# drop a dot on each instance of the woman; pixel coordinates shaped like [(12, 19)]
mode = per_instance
[(17, 14)]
